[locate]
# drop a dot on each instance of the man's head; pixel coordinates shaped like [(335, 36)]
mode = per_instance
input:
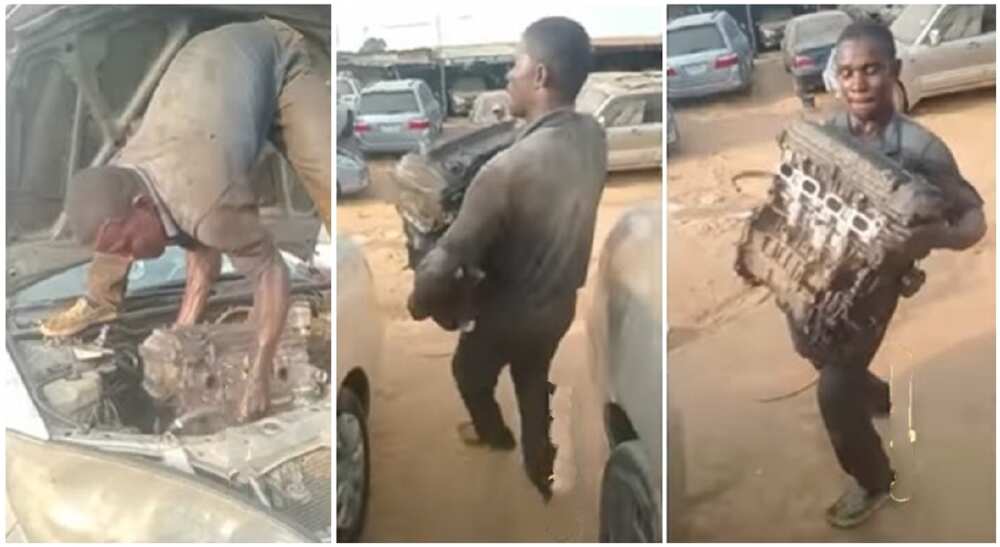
[(109, 209), (552, 62), (867, 70)]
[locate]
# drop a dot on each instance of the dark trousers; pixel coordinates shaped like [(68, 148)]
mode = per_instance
[(849, 393), (527, 342)]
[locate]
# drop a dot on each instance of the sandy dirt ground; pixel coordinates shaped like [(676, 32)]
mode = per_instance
[(426, 485), (745, 470)]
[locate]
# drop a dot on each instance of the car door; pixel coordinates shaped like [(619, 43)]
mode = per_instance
[(432, 108), (959, 60), (628, 138), (739, 41)]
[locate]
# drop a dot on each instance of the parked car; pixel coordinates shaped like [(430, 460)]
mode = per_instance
[(359, 350), (348, 91), (630, 107), (397, 116), (490, 107), (673, 134), (809, 40), (463, 92), (771, 22), (707, 54), (352, 171), (943, 49), (624, 326), (880, 13)]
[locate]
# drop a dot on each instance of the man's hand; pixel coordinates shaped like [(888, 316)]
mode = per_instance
[(257, 399)]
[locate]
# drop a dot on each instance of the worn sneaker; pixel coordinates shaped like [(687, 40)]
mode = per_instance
[(855, 506), (74, 320), (467, 433)]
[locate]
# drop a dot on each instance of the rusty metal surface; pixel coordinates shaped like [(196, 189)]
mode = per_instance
[(432, 185), (200, 372), (825, 236)]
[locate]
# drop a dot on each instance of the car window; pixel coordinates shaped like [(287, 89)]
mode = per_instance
[(344, 88), (912, 21), (958, 22), (688, 40), (388, 102), (624, 112), (653, 113), (822, 30), (590, 99), (731, 28), (425, 95)]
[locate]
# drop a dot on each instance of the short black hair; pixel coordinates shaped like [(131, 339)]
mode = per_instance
[(96, 194), (877, 34), (563, 46)]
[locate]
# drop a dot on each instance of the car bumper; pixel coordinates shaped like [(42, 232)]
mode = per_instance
[(390, 147), (704, 90), (352, 181)]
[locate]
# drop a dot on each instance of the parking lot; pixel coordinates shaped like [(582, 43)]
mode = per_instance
[(426, 485), (753, 471)]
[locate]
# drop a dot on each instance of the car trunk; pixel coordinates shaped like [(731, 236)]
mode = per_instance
[(693, 53)]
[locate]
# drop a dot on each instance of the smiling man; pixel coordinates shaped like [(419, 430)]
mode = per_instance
[(527, 223), (849, 394), (184, 179)]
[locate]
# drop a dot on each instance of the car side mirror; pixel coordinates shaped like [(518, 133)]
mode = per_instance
[(934, 37)]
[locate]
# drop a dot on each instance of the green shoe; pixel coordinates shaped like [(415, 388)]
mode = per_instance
[(74, 320), (855, 506)]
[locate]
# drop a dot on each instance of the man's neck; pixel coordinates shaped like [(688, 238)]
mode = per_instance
[(543, 107), (872, 127)]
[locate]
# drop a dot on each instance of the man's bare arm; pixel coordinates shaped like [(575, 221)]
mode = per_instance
[(270, 308), (203, 267)]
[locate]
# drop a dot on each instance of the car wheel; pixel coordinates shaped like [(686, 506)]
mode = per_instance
[(628, 507), (353, 473), (899, 98)]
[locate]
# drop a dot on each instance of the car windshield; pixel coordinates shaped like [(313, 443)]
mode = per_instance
[(388, 102), (168, 269), (590, 99), (469, 84), (771, 14), (344, 88), (688, 40), (907, 27), (822, 30)]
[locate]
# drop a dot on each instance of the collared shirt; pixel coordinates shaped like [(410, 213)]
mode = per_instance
[(920, 151), (527, 219)]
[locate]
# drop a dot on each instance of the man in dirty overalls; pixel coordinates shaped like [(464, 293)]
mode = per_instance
[(527, 223), (849, 394), (184, 179)]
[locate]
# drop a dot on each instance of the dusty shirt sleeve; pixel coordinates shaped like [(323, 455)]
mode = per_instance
[(238, 232), (940, 168)]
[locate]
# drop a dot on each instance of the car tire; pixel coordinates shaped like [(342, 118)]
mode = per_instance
[(352, 453), (899, 98), (629, 511)]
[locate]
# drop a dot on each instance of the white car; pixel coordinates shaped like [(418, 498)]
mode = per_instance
[(359, 349)]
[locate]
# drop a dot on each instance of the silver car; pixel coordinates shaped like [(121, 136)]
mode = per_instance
[(630, 107), (352, 172), (707, 54), (625, 330), (943, 49), (808, 44), (359, 351), (397, 116), (348, 91), (673, 133)]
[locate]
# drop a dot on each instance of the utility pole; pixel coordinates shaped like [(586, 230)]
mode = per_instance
[(441, 62)]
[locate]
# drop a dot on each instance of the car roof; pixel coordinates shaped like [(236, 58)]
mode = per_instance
[(695, 20), (393, 85), (826, 14), (624, 83)]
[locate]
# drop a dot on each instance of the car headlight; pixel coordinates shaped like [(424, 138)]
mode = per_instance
[(60, 492)]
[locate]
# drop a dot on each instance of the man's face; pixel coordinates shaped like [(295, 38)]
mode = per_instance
[(522, 82), (867, 77), (138, 235)]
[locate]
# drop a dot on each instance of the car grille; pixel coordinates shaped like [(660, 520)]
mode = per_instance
[(300, 489)]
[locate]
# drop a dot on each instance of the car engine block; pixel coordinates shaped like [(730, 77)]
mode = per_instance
[(823, 239), (198, 374), (431, 185)]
